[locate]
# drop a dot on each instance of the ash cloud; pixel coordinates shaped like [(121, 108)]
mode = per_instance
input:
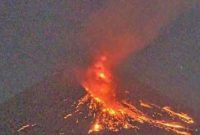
[(121, 28)]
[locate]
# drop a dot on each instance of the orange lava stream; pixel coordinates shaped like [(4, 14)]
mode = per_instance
[(111, 114), (25, 127)]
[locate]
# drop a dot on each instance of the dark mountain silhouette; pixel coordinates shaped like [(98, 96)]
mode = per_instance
[(44, 106)]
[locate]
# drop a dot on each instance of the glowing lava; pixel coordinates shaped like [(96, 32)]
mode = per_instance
[(112, 114), (98, 82)]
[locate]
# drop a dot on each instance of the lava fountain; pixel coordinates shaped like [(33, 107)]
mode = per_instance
[(112, 114)]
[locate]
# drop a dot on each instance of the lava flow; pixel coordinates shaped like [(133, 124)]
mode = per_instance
[(110, 113)]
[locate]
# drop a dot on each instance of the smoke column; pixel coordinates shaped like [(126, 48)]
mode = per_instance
[(124, 27), (111, 34)]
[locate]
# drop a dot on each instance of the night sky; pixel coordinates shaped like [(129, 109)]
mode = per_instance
[(39, 38)]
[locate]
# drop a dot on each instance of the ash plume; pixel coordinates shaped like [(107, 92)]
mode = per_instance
[(121, 28)]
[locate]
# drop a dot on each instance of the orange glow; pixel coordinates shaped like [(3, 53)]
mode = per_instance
[(24, 127), (98, 82), (182, 116), (146, 105), (112, 114), (67, 116), (102, 75), (95, 128)]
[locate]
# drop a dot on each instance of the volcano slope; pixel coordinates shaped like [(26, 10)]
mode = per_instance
[(41, 109)]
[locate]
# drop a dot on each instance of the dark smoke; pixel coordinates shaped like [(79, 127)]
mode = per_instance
[(124, 27)]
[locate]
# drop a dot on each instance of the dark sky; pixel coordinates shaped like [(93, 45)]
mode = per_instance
[(39, 37), (36, 36)]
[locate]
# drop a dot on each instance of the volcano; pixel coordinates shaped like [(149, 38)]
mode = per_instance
[(43, 108), (99, 102)]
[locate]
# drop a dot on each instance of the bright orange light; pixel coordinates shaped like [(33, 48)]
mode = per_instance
[(182, 116), (96, 128), (146, 105), (102, 75), (112, 114), (110, 111)]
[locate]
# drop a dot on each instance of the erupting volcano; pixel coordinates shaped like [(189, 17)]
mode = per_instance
[(111, 113)]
